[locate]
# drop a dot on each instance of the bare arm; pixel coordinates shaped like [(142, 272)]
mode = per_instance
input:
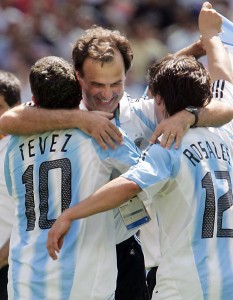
[(210, 23), (219, 65), (196, 49), (24, 120), (120, 189), (4, 253), (174, 128)]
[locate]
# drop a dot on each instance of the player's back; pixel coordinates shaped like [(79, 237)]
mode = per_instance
[(47, 174), (195, 219)]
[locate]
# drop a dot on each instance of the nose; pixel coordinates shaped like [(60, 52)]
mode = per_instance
[(107, 93)]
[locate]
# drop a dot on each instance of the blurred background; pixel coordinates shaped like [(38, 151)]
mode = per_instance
[(31, 29)]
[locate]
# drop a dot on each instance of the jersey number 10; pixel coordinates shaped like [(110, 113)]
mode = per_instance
[(65, 166)]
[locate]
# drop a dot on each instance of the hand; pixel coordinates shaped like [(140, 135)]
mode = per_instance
[(56, 235), (98, 125), (209, 21), (173, 129)]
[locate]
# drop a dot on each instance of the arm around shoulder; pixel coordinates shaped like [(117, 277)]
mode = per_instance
[(26, 120)]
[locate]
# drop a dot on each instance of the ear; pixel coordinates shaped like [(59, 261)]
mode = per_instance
[(158, 99), (77, 74), (79, 78)]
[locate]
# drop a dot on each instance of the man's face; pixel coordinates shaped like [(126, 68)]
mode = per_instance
[(103, 85)]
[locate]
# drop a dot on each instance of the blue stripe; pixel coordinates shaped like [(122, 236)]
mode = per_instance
[(24, 235), (144, 119), (68, 256), (227, 34)]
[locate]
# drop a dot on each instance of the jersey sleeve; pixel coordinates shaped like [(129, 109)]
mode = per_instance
[(155, 168), (144, 108), (122, 158)]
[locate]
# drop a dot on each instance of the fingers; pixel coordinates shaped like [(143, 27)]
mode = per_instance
[(105, 132), (109, 137), (178, 140), (156, 134), (172, 129), (53, 245), (101, 142), (206, 5), (103, 114), (115, 133), (209, 20), (167, 140)]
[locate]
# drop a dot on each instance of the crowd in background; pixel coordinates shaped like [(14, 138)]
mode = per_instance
[(31, 29)]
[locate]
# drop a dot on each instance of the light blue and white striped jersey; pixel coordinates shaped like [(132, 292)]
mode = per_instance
[(137, 118), (46, 174), (7, 205), (192, 193)]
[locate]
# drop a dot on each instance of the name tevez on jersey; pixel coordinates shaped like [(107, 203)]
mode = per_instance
[(43, 144)]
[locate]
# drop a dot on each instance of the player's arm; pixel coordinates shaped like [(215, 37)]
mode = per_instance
[(196, 49), (219, 65), (4, 252), (26, 120), (172, 129), (120, 189)]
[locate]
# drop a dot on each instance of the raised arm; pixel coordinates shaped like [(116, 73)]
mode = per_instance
[(25, 120), (121, 190), (196, 49), (210, 23), (216, 113)]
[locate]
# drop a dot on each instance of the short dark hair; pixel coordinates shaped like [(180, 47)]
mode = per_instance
[(10, 88), (100, 44), (181, 81), (54, 83)]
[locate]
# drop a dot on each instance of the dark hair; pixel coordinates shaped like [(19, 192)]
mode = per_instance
[(181, 81), (100, 44), (10, 88), (54, 84)]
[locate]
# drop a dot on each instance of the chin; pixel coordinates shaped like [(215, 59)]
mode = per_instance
[(107, 107)]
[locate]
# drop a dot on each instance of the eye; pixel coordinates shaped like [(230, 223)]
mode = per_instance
[(98, 85), (116, 84)]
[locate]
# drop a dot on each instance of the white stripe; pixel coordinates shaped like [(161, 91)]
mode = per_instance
[(227, 36)]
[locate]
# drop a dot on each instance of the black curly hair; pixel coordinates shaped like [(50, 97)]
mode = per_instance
[(54, 84), (181, 81), (100, 44)]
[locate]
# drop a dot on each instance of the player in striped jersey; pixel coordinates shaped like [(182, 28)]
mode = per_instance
[(191, 187), (9, 97), (46, 173), (103, 90)]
